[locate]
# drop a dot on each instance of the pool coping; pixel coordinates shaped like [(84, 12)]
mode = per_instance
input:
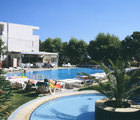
[(24, 112)]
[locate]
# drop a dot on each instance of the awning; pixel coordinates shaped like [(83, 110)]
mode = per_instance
[(39, 53)]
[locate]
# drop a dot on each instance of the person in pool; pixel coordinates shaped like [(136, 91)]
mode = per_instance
[(24, 73)]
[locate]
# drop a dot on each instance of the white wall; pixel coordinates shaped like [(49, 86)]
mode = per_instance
[(4, 35), (20, 37)]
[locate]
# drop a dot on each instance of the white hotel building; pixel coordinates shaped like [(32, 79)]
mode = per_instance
[(21, 42)]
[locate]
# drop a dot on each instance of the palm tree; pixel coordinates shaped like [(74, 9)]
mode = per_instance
[(120, 85)]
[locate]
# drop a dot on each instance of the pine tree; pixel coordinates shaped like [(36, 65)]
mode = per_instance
[(5, 94), (5, 86)]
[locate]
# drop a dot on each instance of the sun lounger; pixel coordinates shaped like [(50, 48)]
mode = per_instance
[(41, 88), (51, 89), (99, 75), (5, 69), (11, 69), (62, 85), (20, 81), (69, 65), (71, 82), (68, 82), (66, 65), (17, 68)]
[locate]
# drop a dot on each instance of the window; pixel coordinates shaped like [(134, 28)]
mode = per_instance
[(1, 31)]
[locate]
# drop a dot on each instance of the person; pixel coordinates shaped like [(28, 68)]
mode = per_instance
[(46, 82), (82, 77), (24, 73), (52, 83)]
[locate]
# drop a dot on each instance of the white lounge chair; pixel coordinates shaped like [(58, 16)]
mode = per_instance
[(43, 89), (11, 69), (5, 69), (19, 81), (99, 75), (69, 65), (62, 85), (71, 82), (66, 65), (17, 68), (52, 90)]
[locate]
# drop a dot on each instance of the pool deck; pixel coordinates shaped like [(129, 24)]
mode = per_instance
[(24, 112)]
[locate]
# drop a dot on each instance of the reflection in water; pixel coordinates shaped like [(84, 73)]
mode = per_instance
[(73, 107), (85, 115)]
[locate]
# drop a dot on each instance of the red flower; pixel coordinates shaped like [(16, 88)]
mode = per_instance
[(1, 92)]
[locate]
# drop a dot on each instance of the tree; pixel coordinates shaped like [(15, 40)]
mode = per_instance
[(40, 46), (72, 52), (131, 47), (51, 45), (5, 94), (47, 45), (5, 87), (64, 53), (3, 49), (82, 51), (58, 45), (58, 48), (104, 47), (76, 50)]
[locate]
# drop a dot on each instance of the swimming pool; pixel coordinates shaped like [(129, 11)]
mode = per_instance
[(74, 107), (57, 74)]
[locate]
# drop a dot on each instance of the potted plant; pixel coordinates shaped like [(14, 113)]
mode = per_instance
[(120, 86)]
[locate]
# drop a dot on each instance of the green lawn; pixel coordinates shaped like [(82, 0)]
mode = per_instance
[(19, 98), (93, 87)]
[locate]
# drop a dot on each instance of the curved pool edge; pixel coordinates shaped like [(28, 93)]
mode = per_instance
[(24, 112)]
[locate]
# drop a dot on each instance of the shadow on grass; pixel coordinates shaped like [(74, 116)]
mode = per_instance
[(20, 91), (31, 94), (25, 93), (93, 87)]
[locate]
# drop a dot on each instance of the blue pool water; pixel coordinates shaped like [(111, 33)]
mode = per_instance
[(75, 107), (57, 74)]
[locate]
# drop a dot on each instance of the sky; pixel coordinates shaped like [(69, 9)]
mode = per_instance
[(81, 19)]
